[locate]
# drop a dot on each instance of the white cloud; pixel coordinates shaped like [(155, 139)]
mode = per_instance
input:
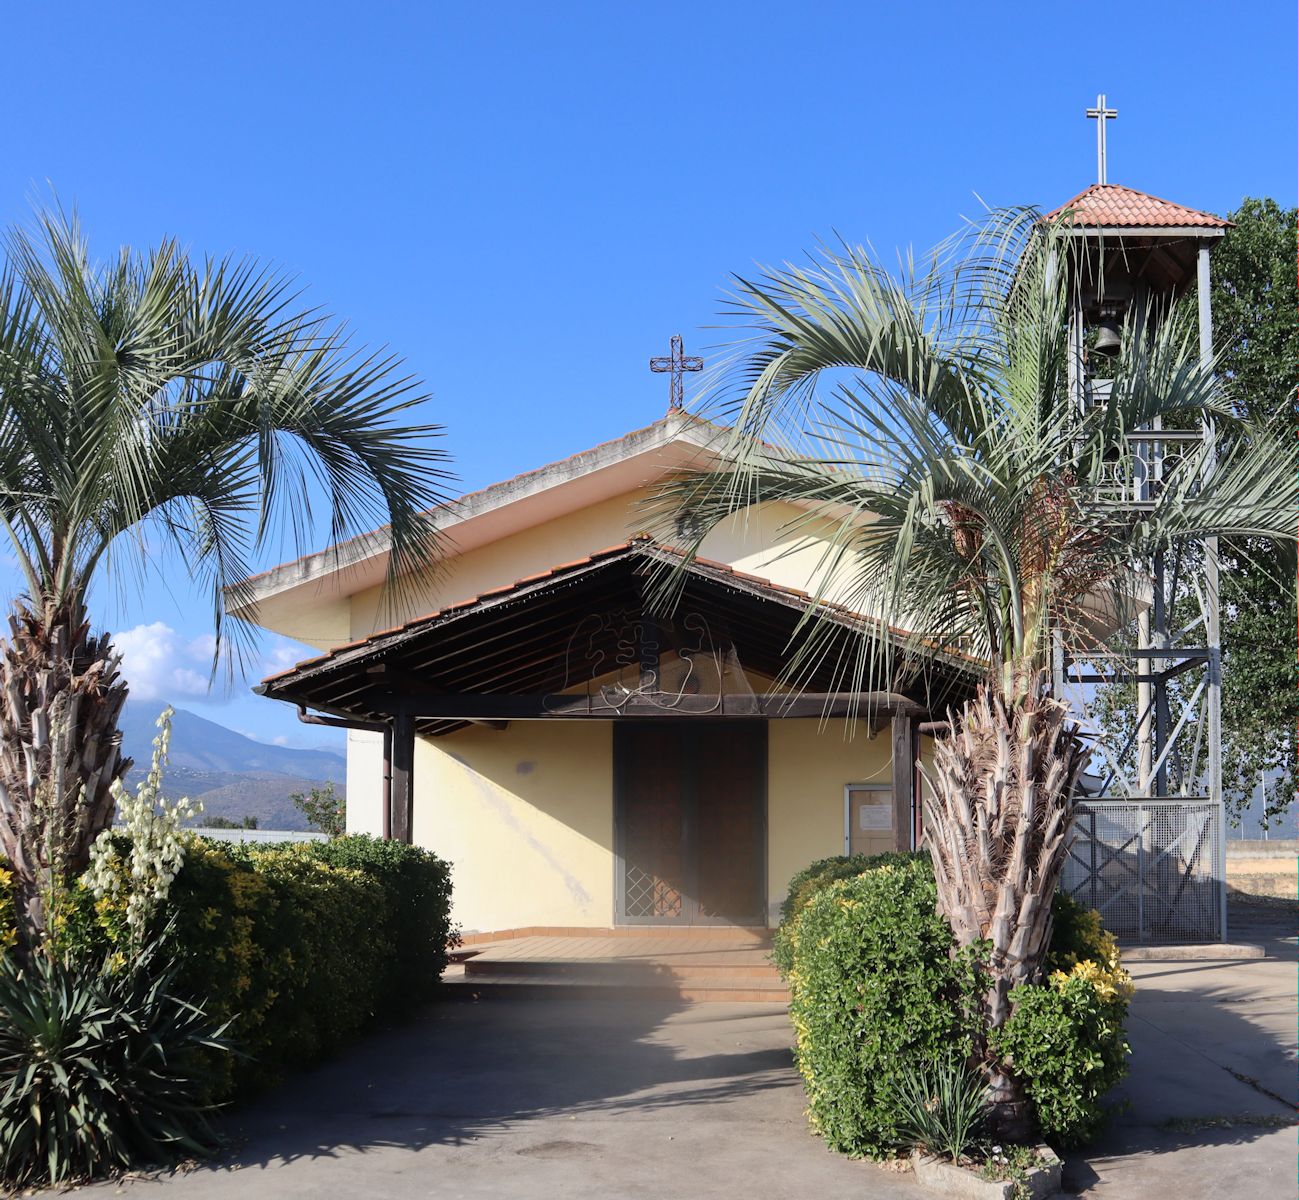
[(161, 664), (283, 655)]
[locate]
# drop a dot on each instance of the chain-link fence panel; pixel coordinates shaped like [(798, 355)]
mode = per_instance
[(1151, 868)]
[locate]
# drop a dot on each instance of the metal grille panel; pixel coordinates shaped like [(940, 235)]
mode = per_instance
[(648, 896), (1149, 867)]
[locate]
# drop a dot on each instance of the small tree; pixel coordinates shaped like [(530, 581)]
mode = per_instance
[(325, 810), (189, 401), (962, 495)]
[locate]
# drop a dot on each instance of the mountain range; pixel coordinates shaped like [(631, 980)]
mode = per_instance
[(234, 776)]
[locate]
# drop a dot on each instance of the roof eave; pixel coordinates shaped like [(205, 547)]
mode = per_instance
[(1193, 231), (365, 554)]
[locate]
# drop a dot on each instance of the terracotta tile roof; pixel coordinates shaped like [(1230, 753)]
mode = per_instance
[(1111, 206)]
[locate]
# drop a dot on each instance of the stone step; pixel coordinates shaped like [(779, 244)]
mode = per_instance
[(540, 985), (624, 971), (732, 934)]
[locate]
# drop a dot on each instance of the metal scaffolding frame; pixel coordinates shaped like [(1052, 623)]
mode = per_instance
[(1174, 751)]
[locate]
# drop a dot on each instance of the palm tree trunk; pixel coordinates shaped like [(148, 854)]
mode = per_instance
[(60, 752), (997, 813)]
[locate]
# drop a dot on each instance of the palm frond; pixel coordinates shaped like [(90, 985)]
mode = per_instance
[(920, 424), (200, 399)]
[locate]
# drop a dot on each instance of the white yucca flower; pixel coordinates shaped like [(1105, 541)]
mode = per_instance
[(153, 826)]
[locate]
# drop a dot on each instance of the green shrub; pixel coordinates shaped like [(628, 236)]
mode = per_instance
[(875, 992), (1067, 1043), (98, 1069), (418, 887), (298, 945), (873, 988), (286, 946), (1065, 1037), (810, 880)]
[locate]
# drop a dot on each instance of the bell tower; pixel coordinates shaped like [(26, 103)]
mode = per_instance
[(1159, 796)]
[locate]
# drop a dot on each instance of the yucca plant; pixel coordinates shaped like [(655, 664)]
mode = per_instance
[(155, 405), (940, 1107), (99, 1069), (919, 425)]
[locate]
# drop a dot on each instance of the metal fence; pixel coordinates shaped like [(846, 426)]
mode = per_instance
[(258, 835), (1153, 869)]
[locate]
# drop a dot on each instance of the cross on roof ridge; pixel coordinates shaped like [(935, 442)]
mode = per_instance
[(676, 362)]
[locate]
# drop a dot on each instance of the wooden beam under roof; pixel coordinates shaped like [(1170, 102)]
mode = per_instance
[(490, 706)]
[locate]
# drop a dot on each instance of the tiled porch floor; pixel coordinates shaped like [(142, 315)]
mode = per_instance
[(694, 965)]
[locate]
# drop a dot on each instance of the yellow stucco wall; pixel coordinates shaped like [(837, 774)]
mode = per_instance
[(780, 542), (525, 815), (498, 564), (756, 542), (808, 767), (364, 782)]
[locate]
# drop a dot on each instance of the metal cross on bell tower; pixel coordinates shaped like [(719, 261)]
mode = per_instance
[(1100, 114), (676, 363)]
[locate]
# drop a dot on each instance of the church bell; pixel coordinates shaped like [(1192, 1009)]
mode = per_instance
[(1108, 338)]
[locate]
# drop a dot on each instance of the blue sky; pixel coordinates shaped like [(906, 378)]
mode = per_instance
[(527, 200)]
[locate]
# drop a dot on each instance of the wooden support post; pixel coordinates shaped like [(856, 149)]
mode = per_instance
[(904, 774), (386, 790), (917, 790), (403, 777)]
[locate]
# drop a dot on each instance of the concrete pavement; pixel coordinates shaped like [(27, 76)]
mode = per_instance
[(609, 1097), (1211, 1090), (543, 1097)]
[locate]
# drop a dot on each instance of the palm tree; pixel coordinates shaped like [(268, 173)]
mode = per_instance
[(154, 404), (921, 423)]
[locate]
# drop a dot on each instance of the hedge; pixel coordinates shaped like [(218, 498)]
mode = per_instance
[(873, 987), (876, 987), (810, 880), (300, 944)]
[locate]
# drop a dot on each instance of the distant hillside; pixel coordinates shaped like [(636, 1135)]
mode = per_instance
[(203, 745), (233, 775)]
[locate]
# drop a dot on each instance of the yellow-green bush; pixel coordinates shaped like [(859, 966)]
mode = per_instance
[(875, 988), (8, 917), (300, 945), (1065, 1037), (810, 880)]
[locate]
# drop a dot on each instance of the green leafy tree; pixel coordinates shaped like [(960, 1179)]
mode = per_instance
[(246, 822), (325, 810), (921, 421), (152, 403), (1256, 319), (1256, 332)]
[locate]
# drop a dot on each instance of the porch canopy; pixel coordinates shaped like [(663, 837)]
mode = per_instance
[(588, 641)]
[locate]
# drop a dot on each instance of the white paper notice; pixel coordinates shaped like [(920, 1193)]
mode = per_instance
[(875, 816)]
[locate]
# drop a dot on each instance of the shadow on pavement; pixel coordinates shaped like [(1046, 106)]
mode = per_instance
[(1212, 1067), (463, 1071)]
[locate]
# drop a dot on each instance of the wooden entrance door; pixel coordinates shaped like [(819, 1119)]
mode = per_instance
[(690, 820)]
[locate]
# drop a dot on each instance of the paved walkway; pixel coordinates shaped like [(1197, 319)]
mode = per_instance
[(553, 1098), (1211, 1092), (568, 1098)]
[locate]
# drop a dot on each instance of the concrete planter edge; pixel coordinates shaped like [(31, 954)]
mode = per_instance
[(946, 1178)]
